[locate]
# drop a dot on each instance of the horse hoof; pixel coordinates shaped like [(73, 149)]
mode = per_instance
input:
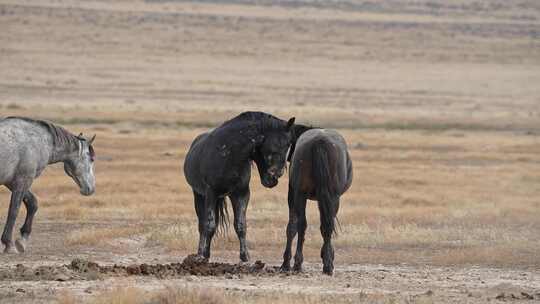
[(20, 244), (10, 250), (195, 259), (244, 258), (298, 268), (285, 268), (328, 271), (242, 263)]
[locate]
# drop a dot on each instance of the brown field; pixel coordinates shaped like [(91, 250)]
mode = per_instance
[(438, 100)]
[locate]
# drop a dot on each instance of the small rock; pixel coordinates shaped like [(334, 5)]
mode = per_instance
[(20, 290), (526, 296), (62, 278)]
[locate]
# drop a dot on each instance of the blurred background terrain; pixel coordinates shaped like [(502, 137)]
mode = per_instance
[(439, 102)]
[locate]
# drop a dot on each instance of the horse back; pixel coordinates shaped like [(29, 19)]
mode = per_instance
[(24, 149), (306, 164)]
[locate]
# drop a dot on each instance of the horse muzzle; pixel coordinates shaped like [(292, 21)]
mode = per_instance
[(269, 181), (275, 172), (87, 191)]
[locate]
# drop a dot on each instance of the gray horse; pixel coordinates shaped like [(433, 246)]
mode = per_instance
[(27, 146)]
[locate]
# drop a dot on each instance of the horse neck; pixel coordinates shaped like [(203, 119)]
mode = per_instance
[(245, 129), (62, 151)]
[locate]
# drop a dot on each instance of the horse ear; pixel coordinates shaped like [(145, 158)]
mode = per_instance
[(291, 152), (290, 123), (92, 139)]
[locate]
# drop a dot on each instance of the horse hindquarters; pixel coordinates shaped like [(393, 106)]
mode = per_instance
[(324, 167)]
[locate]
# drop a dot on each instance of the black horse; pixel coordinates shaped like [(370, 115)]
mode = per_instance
[(218, 164), (320, 169)]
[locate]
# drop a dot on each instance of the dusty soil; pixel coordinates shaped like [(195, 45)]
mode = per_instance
[(80, 269), (352, 282)]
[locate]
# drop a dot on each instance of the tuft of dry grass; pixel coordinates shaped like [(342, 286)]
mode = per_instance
[(194, 295), (169, 295), (99, 236), (174, 237)]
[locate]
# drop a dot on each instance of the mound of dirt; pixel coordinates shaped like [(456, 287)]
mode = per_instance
[(193, 265), (80, 269), (41, 273)]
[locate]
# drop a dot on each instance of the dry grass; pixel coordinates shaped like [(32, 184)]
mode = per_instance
[(191, 295), (440, 110), (417, 198), (167, 296), (100, 236)]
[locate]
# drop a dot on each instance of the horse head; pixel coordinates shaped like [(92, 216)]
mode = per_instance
[(80, 166), (271, 153)]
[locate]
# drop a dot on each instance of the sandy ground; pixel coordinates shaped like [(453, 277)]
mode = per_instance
[(357, 283), (439, 103)]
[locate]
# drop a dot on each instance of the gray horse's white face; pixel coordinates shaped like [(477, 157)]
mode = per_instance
[(80, 167)]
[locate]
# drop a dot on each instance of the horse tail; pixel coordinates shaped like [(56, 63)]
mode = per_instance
[(222, 216), (324, 176)]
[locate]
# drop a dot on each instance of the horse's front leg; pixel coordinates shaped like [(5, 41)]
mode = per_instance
[(240, 200), (199, 201), (17, 195), (31, 205), (292, 229)]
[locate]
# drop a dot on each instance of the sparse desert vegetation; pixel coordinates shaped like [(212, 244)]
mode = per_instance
[(439, 103)]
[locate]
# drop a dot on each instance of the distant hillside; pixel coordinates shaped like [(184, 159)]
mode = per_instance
[(524, 9)]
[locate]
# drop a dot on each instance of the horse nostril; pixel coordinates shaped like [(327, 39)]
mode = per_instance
[(275, 172)]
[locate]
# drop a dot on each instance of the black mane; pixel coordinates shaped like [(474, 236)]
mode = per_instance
[(262, 121)]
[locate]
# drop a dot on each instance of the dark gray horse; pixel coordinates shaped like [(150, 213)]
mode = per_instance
[(26, 147), (218, 165), (321, 170)]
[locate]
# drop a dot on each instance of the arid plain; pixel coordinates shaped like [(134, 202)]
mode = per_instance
[(439, 102)]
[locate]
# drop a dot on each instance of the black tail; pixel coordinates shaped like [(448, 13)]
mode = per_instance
[(222, 216), (324, 177)]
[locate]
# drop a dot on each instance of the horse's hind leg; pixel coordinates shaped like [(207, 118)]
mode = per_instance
[(15, 203), (240, 200), (328, 214), (292, 229), (31, 205), (300, 209)]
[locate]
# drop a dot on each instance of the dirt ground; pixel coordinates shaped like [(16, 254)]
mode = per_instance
[(439, 102)]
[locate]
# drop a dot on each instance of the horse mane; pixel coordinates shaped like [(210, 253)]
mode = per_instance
[(60, 136), (298, 130), (263, 121)]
